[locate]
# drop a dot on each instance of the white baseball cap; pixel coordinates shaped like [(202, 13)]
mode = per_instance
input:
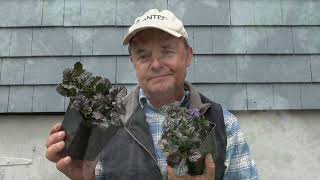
[(164, 20)]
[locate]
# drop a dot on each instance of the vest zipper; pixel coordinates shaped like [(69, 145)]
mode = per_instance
[(150, 154)]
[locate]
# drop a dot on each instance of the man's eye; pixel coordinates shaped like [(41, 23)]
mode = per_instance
[(168, 52), (142, 57)]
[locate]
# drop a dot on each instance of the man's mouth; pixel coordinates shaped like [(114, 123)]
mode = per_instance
[(159, 76)]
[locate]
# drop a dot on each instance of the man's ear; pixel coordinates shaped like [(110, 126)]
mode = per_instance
[(189, 57), (130, 58)]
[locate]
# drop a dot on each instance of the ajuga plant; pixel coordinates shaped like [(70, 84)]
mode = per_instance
[(94, 112), (185, 139)]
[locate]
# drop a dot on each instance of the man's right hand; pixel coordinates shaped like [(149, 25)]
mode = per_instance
[(74, 169)]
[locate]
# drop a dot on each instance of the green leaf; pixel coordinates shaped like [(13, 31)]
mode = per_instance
[(78, 69)]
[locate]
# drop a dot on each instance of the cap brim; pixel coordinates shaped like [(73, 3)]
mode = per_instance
[(130, 35)]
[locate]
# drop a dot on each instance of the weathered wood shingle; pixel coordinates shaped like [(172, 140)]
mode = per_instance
[(4, 98), (229, 40), (205, 12), (310, 96), (125, 71), (209, 69), (101, 66), (52, 13), (46, 99), (287, 96), (264, 69), (231, 96), (256, 40), (5, 37), (12, 71), (72, 13), (306, 40), (108, 41), (260, 96), (20, 44), (267, 12), (242, 12), (279, 40), (126, 15), (20, 99), (295, 12), (82, 42), (203, 40), (18, 13), (52, 41), (315, 68), (97, 12), (45, 70)]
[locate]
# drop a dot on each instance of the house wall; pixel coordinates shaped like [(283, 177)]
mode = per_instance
[(259, 58)]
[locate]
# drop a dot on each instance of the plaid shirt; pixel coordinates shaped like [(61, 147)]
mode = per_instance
[(239, 163)]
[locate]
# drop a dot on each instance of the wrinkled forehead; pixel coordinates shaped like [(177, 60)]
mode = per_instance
[(148, 35)]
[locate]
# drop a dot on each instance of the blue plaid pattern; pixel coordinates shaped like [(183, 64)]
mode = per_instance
[(239, 163)]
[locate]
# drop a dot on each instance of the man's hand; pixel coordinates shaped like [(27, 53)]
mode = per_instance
[(74, 169), (208, 173)]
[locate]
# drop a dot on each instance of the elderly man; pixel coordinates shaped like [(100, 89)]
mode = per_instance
[(160, 54)]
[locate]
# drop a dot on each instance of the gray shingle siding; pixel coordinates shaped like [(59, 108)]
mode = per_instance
[(12, 71), (263, 69), (17, 13), (5, 38), (206, 12), (249, 54), (20, 99), (242, 12), (126, 15), (203, 40), (45, 70), (4, 98), (315, 68), (20, 44), (310, 96), (219, 69), (52, 41), (125, 71), (229, 40), (45, 99), (287, 96), (101, 66), (82, 41), (306, 40), (260, 96), (119, 12), (231, 96), (108, 41), (52, 12), (76, 41), (102, 12)]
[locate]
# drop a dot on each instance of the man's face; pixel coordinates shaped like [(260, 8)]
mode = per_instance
[(160, 61)]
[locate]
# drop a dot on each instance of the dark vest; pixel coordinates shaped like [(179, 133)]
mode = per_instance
[(125, 159)]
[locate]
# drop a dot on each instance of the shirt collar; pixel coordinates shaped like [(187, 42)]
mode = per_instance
[(144, 101)]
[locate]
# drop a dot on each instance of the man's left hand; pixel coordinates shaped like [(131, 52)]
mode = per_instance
[(208, 173)]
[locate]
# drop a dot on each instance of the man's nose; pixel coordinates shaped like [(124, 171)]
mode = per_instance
[(156, 63)]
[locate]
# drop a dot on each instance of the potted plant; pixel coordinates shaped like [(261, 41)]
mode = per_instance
[(94, 113), (188, 136)]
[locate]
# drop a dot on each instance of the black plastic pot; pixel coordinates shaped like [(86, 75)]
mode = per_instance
[(84, 139), (196, 162)]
